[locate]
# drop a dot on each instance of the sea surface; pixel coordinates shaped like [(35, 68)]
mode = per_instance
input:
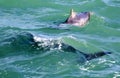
[(42, 19)]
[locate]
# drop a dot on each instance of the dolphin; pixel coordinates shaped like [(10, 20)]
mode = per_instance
[(27, 41), (78, 19), (87, 56), (46, 44)]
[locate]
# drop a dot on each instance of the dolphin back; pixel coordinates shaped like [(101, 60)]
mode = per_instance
[(95, 55), (86, 56)]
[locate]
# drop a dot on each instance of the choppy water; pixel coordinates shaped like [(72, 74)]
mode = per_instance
[(41, 18)]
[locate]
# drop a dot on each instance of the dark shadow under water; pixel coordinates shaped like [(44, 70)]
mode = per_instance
[(25, 41)]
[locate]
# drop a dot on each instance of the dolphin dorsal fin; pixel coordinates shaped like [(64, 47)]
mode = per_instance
[(72, 13)]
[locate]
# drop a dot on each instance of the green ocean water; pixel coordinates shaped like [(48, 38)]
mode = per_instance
[(41, 18)]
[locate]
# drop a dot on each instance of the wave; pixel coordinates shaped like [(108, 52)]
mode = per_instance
[(113, 3), (21, 3), (37, 3)]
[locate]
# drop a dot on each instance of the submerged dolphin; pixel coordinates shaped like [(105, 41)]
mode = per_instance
[(46, 44), (88, 57), (78, 19), (27, 40)]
